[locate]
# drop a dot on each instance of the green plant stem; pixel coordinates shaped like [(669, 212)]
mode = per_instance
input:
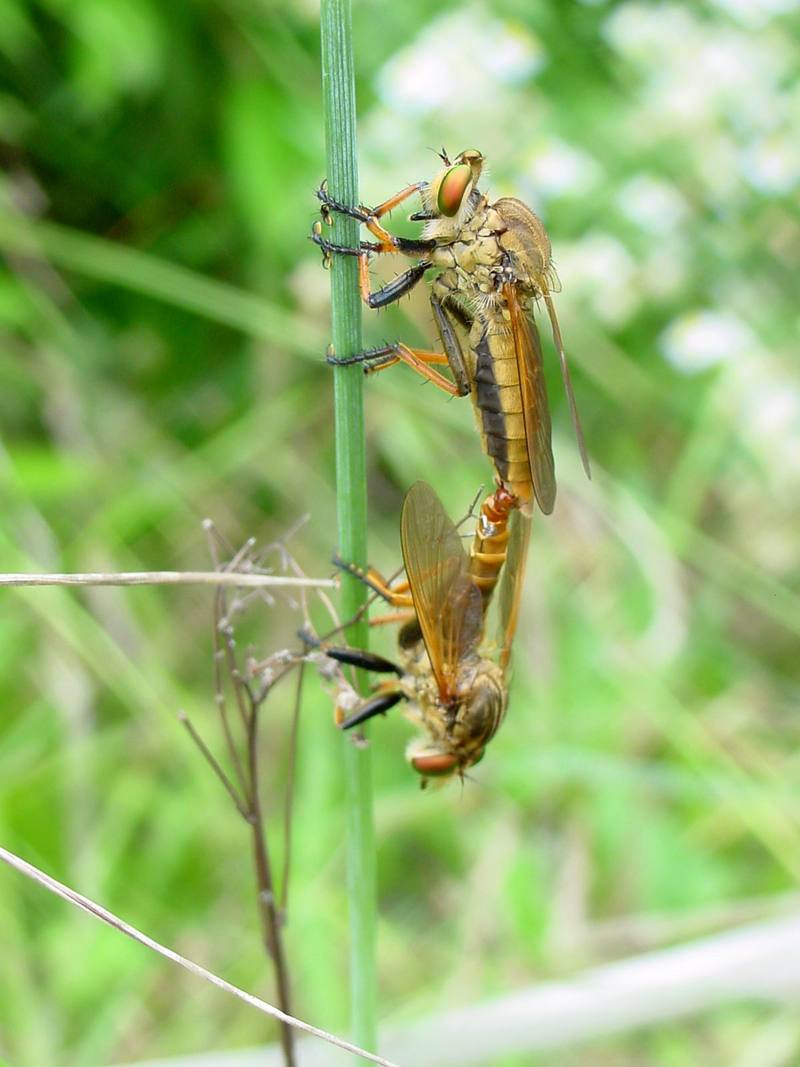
[(338, 89)]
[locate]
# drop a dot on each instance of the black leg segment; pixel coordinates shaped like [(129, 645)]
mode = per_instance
[(399, 286), (372, 357), (327, 200), (414, 246), (328, 247), (377, 705), (357, 657), (451, 345)]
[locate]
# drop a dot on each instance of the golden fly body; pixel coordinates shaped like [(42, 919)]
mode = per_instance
[(494, 264)]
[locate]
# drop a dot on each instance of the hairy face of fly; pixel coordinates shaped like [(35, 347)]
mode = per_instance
[(464, 740)]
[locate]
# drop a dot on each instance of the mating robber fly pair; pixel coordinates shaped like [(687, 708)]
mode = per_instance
[(494, 264)]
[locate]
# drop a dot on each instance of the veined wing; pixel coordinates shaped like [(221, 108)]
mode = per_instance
[(447, 602), (535, 408), (573, 407), (511, 583), (529, 247)]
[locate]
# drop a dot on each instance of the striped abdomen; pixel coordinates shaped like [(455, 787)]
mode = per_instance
[(497, 401), (488, 551)]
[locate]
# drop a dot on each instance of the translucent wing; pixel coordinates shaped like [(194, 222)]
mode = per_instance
[(573, 407), (447, 602), (529, 247), (511, 583), (535, 408), (461, 628)]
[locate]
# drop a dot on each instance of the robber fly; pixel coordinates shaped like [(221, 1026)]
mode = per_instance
[(494, 264), (453, 682)]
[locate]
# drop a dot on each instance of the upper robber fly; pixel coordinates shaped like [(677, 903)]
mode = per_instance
[(494, 264)]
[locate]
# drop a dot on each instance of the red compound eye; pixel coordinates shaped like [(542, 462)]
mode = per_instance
[(435, 766), (452, 188)]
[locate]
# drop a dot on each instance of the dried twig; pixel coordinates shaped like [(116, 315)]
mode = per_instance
[(234, 578), (114, 921), (288, 803), (251, 683)]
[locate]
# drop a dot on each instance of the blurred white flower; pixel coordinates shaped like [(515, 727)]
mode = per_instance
[(772, 164), (774, 407), (557, 168), (698, 72), (652, 203), (753, 391), (640, 30), (602, 270), (755, 12), (726, 60), (457, 60), (702, 339)]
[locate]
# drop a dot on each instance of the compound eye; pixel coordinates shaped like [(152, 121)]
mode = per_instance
[(436, 765), (452, 188)]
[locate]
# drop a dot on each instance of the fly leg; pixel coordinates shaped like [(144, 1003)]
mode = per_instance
[(396, 595), (386, 695), (358, 657), (330, 248), (387, 242), (393, 618), (419, 359), (394, 289), (444, 311), (446, 315), (378, 704)]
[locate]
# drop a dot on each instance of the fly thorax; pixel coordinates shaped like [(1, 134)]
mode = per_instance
[(476, 282), (487, 251), (443, 257), (528, 246)]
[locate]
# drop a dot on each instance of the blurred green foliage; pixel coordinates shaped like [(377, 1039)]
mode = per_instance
[(163, 319)]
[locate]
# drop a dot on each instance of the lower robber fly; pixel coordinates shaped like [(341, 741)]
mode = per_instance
[(452, 680), (494, 263)]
